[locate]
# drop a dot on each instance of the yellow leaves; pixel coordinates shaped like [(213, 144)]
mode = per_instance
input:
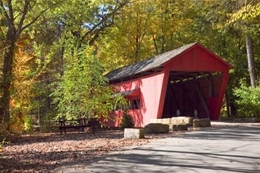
[(22, 59), (23, 83), (246, 13), (251, 11)]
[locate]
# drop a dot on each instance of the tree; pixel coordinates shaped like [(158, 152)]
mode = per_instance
[(47, 30), (23, 83), (246, 18), (17, 16), (83, 91), (143, 29)]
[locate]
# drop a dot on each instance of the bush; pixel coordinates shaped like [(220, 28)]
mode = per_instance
[(248, 101), (28, 124), (126, 122)]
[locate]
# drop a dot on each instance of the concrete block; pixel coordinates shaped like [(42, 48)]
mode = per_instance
[(204, 122), (153, 120), (166, 120), (133, 133), (179, 127), (158, 121), (182, 120), (156, 128)]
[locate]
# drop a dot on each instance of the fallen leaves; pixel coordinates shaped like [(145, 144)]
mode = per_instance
[(45, 152)]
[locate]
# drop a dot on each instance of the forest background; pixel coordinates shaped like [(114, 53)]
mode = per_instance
[(54, 53)]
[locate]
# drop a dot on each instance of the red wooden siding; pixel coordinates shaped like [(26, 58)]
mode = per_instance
[(197, 59), (160, 97), (150, 96)]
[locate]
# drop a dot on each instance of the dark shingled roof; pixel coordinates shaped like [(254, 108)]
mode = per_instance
[(146, 65)]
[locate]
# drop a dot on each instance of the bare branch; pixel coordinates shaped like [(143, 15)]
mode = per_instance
[(5, 13), (112, 14), (10, 9), (37, 17), (97, 32), (24, 13), (33, 21)]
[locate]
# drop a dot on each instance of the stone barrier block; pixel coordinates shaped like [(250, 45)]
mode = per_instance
[(156, 128), (179, 127), (156, 120), (204, 122), (182, 120), (133, 133), (165, 120)]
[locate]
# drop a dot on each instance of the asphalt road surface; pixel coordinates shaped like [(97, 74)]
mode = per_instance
[(226, 149)]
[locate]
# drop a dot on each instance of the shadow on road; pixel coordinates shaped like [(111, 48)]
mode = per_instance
[(225, 149), (235, 133)]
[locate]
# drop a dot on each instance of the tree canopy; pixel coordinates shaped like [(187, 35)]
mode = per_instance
[(55, 53)]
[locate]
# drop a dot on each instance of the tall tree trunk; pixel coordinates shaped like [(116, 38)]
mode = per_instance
[(14, 18), (8, 73), (250, 60)]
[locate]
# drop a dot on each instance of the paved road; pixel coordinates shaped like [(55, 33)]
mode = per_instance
[(227, 150)]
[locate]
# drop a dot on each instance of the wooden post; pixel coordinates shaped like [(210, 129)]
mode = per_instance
[(204, 104)]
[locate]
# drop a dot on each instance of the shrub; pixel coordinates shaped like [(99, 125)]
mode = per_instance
[(248, 101), (28, 124), (127, 121)]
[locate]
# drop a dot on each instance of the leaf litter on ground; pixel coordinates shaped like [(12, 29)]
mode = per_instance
[(44, 152)]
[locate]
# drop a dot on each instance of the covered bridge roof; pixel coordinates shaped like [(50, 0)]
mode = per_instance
[(147, 65)]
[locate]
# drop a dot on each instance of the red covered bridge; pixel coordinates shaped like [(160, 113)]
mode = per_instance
[(188, 81)]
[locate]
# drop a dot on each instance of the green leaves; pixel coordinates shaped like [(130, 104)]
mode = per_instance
[(246, 13), (83, 91), (144, 28), (248, 100), (246, 18), (122, 32)]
